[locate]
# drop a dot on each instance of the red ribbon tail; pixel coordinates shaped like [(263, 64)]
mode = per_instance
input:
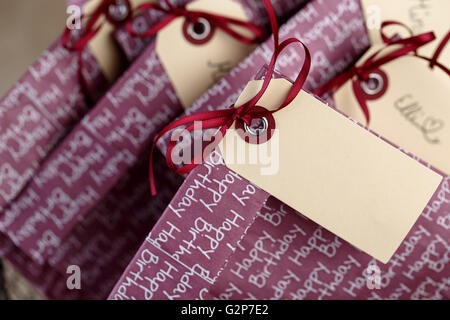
[(361, 100), (153, 190), (440, 48)]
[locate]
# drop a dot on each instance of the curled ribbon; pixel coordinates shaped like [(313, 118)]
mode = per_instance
[(360, 75), (91, 28), (218, 21), (224, 119)]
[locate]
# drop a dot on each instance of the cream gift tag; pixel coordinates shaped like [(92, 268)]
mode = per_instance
[(334, 172), (103, 46), (419, 15), (413, 112), (194, 68)]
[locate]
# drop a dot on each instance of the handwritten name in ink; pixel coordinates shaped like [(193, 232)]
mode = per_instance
[(219, 69), (413, 112), (418, 13)]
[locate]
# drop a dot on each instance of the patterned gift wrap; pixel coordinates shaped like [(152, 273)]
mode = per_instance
[(89, 203)]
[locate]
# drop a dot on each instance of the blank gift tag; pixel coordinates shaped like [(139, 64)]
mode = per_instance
[(334, 172), (104, 47), (419, 15), (194, 68), (413, 112)]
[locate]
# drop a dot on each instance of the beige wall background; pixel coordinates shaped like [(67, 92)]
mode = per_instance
[(27, 28)]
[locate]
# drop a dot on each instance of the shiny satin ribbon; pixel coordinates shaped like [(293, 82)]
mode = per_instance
[(91, 29), (215, 20), (359, 74), (224, 119), (434, 59), (93, 26)]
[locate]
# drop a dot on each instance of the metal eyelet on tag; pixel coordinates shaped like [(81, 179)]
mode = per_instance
[(119, 11), (375, 86), (257, 134), (198, 32), (379, 83)]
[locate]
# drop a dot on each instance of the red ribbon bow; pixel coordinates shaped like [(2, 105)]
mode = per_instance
[(361, 75), (215, 20), (224, 119)]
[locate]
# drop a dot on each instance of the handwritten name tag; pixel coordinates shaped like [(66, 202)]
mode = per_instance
[(413, 113), (334, 172), (193, 68)]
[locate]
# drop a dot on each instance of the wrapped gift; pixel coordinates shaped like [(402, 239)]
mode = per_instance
[(75, 180), (286, 256), (100, 245), (397, 99), (400, 91), (53, 95), (253, 246), (192, 244), (103, 243), (330, 55), (257, 249), (38, 111)]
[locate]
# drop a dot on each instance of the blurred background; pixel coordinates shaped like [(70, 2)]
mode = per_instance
[(27, 28)]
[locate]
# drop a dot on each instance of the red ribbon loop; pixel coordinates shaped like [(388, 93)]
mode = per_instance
[(91, 28), (385, 24), (224, 23), (400, 47), (224, 119)]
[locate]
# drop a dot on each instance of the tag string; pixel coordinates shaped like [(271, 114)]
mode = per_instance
[(224, 119), (191, 16), (403, 47)]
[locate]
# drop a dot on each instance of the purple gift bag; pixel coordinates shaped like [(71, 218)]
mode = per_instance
[(197, 234), (286, 256), (92, 159), (38, 111), (42, 108), (101, 245), (88, 205), (223, 238)]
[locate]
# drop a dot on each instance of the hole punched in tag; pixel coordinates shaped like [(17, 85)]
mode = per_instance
[(199, 31), (259, 131), (375, 86), (119, 11)]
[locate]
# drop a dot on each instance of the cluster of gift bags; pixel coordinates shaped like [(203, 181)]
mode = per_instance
[(76, 136)]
